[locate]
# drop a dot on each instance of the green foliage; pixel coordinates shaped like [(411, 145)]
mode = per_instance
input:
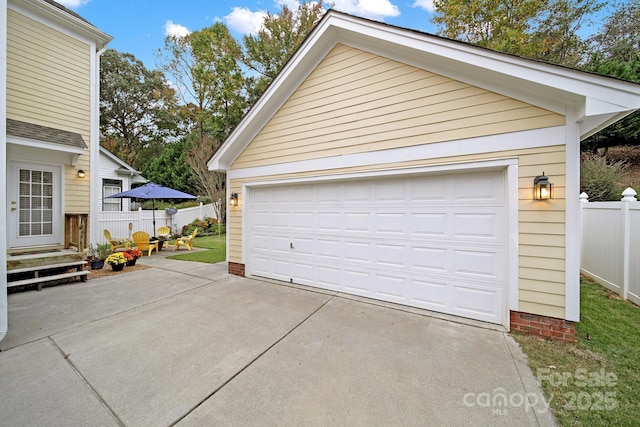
[(616, 52), (281, 34), (540, 29), (600, 178), (205, 226), (170, 167), (136, 106), (99, 251)]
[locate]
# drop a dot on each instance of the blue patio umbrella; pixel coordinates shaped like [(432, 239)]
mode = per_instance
[(152, 191)]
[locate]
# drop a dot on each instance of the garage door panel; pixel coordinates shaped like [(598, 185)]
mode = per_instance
[(391, 255), (487, 226), (429, 189), (429, 224), (359, 252), (357, 222), (303, 221), (391, 223), (328, 249), (357, 281), (481, 188), (434, 259), (477, 302), (434, 242), (430, 294), (329, 221), (391, 288)]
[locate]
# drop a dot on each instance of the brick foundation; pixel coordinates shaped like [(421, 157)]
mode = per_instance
[(236, 269), (543, 326)]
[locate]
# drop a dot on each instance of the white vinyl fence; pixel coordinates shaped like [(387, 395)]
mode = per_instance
[(611, 244), (123, 224)]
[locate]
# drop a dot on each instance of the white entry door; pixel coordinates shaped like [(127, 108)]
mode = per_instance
[(34, 205), (434, 242)]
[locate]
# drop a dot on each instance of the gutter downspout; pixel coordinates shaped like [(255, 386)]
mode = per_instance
[(95, 201), (4, 322)]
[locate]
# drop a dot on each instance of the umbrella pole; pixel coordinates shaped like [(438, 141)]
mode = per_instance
[(153, 210)]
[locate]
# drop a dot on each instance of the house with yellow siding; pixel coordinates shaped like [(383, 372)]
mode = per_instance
[(49, 118), (400, 166)]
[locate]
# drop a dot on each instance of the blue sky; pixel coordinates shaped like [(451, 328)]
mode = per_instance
[(140, 26)]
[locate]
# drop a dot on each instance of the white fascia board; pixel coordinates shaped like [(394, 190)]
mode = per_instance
[(45, 145)]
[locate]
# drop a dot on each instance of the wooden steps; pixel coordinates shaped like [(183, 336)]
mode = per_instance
[(47, 269)]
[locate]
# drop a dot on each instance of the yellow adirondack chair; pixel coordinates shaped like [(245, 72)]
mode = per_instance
[(185, 241), (115, 243), (164, 232), (141, 240)]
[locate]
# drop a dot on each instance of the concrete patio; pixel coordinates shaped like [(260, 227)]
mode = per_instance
[(185, 343)]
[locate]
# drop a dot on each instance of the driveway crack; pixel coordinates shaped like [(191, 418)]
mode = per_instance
[(250, 363), (89, 386)]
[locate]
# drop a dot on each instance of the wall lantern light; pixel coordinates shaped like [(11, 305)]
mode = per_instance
[(542, 188), (234, 199), (81, 174)]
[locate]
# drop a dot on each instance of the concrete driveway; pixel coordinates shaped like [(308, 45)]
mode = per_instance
[(186, 344)]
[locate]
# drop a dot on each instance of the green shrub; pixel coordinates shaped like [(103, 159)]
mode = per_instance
[(600, 178), (206, 226)]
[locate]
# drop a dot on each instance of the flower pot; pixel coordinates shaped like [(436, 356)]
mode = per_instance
[(97, 264), (131, 262), (117, 267)]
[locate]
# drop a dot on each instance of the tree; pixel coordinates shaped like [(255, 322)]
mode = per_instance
[(505, 26), (280, 36), (170, 167), (207, 182), (615, 51), (137, 108), (557, 38), (539, 29), (205, 66)]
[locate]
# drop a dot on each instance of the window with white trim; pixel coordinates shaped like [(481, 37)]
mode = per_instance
[(109, 188)]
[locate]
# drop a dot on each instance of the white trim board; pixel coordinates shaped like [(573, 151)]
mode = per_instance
[(545, 137)]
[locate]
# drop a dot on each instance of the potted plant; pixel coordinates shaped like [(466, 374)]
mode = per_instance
[(132, 255), (116, 260), (97, 255)]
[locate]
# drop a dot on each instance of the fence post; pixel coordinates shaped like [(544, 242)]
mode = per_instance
[(628, 196), (584, 198)]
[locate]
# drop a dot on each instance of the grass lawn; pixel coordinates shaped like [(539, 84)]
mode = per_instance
[(595, 382), (216, 252)]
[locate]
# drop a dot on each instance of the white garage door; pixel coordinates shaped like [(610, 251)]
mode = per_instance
[(434, 242)]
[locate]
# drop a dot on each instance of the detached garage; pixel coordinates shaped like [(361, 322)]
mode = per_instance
[(400, 166)]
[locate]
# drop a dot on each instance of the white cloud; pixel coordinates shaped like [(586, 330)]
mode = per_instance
[(176, 30), (72, 4), (425, 4), (291, 4), (244, 21), (373, 9)]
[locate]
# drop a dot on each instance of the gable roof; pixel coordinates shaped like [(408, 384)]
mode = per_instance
[(600, 100), (124, 168)]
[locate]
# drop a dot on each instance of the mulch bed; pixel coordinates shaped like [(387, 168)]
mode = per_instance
[(106, 271)]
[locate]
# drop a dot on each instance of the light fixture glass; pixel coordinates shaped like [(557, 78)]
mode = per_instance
[(81, 174), (542, 188), (234, 199)]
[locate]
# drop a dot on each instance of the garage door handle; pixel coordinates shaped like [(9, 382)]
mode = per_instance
[(291, 245)]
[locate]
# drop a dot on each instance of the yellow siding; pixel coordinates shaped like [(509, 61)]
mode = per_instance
[(48, 83), (355, 102)]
